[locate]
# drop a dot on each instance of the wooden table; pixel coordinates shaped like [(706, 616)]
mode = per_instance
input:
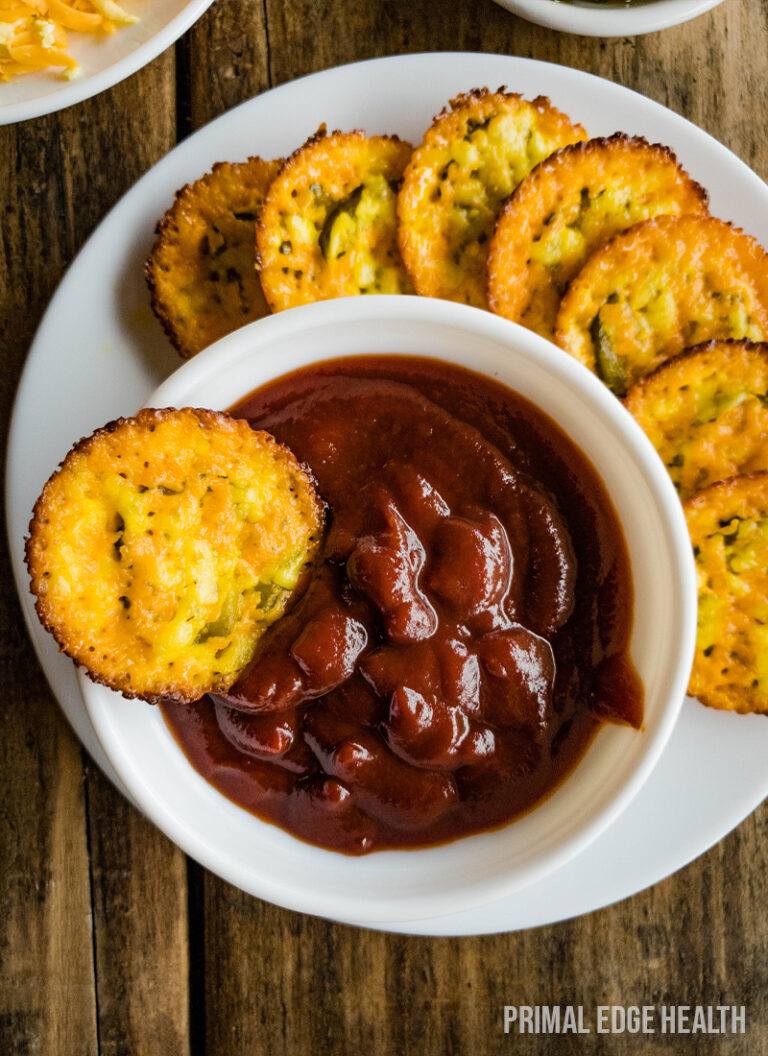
[(111, 941)]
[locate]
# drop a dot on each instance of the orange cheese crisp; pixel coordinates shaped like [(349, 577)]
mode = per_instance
[(569, 206), (328, 226), (202, 270), (472, 158), (664, 285), (706, 412), (165, 545), (728, 523)]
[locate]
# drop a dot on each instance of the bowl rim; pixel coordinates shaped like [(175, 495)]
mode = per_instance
[(393, 310), (594, 19)]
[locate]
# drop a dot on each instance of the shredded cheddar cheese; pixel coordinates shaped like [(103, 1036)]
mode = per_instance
[(33, 33)]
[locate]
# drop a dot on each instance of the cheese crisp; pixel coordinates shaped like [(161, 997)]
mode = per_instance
[(706, 412), (662, 286), (472, 158), (569, 206), (728, 523), (202, 271), (328, 225), (165, 545)]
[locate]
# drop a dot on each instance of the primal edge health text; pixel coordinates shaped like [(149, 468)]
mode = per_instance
[(621, 1019)]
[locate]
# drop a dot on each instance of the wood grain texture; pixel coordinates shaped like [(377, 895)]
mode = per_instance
[(47, 998), (139, 883), (110, 943), (94, 899), (138, 878), (46, 971), (296, 985), (223, 61)]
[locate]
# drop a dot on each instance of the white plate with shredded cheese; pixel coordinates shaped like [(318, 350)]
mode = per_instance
[(100, 59)]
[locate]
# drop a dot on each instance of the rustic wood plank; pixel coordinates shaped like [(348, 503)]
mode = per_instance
[(223, 61), (140, 929), (297, 985), (46, 967), (138, 877), (58, 176), (106, 143)]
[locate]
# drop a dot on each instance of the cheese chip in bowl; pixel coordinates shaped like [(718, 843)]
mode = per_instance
[(165, 545)]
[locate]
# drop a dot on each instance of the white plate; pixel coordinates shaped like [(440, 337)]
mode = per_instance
[(608, 19), (99, 353), (105, 60)]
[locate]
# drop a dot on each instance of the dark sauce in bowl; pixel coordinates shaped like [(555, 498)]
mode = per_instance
[(465, 634)]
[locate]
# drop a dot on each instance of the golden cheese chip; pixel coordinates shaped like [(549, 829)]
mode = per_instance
[(202, 270), (328, 226), (728, 523), (570, 205), (472, 158), (662, 286), (706, 412), (165, 545)]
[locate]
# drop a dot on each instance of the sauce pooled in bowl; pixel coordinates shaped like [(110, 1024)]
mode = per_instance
[(465, 634)]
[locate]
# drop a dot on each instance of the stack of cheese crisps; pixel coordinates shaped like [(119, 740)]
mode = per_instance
[(348, 214), (706, 412)]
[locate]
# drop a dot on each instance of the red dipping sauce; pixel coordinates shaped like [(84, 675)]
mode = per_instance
[(466, 632)]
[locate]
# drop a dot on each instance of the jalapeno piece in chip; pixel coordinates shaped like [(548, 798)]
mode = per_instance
[(706, 412), (328, 225), (664, 285), (472, 158), (569, 206)]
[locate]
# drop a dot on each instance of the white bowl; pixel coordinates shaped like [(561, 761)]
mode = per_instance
[(608, 19), (400, 885)]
